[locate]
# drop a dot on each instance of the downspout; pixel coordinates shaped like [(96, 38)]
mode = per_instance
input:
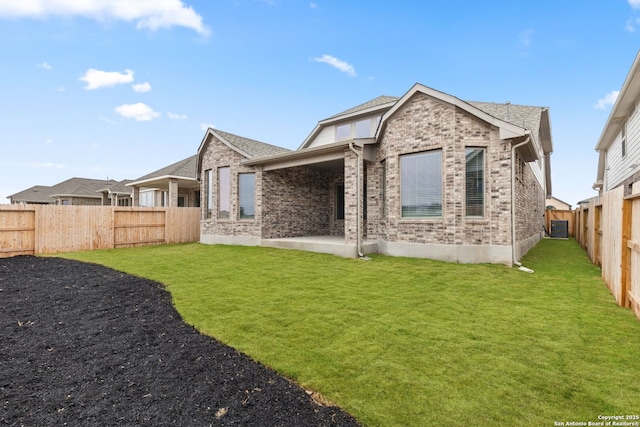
[(359, 196), (513, 205)]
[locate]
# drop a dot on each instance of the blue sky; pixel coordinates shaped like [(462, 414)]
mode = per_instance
[(117, 89)]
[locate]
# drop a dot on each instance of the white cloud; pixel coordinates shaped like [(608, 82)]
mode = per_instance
[(174, 116), (337, 63), (96, 79), (631, 25), (142, 87), (48, 141), (139, 112), (45, 66), (149, 14), (634, 4), (609, 99)]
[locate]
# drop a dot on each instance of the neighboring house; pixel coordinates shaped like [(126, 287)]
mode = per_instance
[(424, 175), (117, 194), (173, 185), (36, 195), (619, 143), (74, 191), (557, 204)]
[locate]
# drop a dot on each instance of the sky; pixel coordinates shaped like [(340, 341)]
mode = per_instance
[(116, 89)]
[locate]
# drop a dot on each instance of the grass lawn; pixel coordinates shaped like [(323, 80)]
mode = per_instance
[(413, 342)]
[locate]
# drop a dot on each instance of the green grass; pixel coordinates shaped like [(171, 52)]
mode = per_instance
[(413, 342)]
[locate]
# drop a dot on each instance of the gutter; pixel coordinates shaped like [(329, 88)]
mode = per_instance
[(513, 205), (359, 197)]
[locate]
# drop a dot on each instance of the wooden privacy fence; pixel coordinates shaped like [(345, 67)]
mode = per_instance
[(46, 229), (609, 229)]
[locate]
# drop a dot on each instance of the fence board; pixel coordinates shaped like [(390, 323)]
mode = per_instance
[(612, 204), (17, 231), (45, 229)]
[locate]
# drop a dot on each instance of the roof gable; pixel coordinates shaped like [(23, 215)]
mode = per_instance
[(377, 105), (246, 147)]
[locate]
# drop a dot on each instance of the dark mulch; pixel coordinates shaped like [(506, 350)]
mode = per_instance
[(86, 345)]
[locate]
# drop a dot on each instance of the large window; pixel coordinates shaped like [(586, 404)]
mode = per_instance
[(224, 192), (421, 184), (474, 187), (247, 195), (208, 188)]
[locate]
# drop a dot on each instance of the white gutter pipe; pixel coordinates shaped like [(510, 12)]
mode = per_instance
[(359, 196), (513, 205)]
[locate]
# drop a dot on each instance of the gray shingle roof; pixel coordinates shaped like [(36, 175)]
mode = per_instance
[(253, 148), (525, 116), (81, 187), (184, 168), (117, 188), (35, 194), (381, 100)]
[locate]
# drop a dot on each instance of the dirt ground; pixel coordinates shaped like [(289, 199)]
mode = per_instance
[(83, 345)]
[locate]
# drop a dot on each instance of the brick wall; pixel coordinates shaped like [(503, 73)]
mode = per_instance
[(297, 202), (217, 155), (427, 124)]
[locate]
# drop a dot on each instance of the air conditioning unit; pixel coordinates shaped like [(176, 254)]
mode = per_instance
[(560, 228)]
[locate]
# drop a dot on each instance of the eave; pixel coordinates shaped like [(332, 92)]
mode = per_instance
[(622, 107), (308, 156), (162, 182)]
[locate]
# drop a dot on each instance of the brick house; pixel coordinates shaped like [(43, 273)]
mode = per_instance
[(423, 175)]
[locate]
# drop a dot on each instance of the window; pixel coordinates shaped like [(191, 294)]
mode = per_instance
[(624, 140), (247, 195), (343, 132), (208, 180), (474, 179), (146, 198), (363, 128), (340, 201), (421, 184), (224, 192)]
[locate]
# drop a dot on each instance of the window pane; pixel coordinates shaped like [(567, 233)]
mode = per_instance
[(474, 191), (421, 184), (224, 192), (343, 132), (363, 129), (247, 195)]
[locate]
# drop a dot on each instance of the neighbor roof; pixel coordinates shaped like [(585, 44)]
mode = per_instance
[(184, 169), (81, 187), (119, 187), (36, 194)]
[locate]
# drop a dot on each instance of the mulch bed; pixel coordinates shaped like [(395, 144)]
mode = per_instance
[(82, 344)]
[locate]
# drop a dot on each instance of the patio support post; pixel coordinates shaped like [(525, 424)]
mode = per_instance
[(358, 194), (173, 193), (135, 196)]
